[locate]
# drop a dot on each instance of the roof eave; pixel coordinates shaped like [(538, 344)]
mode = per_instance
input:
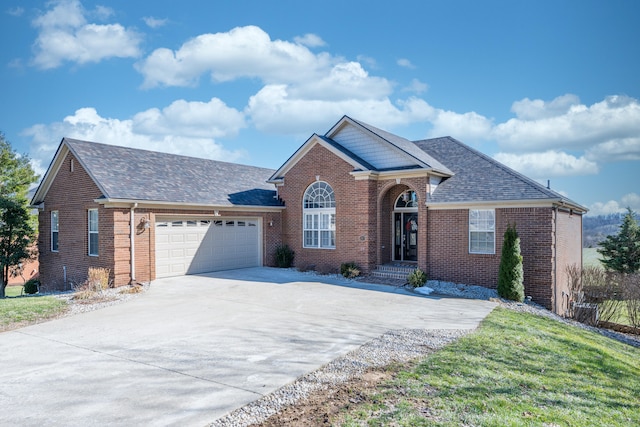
[(303, 150), (126, 203), (516, 203), (50, 174)]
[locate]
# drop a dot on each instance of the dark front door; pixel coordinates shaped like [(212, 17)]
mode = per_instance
[(405, 236)]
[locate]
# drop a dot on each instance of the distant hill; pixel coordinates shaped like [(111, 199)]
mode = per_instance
[(596, 228)]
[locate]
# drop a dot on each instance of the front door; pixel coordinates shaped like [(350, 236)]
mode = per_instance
[(405, 236)]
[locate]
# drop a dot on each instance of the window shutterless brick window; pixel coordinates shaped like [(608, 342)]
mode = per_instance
[(319, 210), (54, 231), (482, 231), (93, 232)]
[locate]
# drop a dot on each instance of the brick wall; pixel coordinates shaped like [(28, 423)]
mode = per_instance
[(568, 252), (450, 260), (72, 194), (356, 219)]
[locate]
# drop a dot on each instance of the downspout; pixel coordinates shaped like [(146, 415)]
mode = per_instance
[(133, 236), (555, 260)]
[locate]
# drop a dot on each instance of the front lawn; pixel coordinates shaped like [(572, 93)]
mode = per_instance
[(17, 311), (517, 369)]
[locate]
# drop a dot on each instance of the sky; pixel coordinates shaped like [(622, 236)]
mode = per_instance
[(550, 88)]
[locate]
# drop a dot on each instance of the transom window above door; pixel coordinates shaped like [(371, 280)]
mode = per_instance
[(408, 199)]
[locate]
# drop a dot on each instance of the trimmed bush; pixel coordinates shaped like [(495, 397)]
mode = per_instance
[(349, 270), (32, 286), (417, 278), (284, 256), (511, 276)]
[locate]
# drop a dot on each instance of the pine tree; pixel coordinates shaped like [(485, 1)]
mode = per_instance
[(510, 276), (621, 252)]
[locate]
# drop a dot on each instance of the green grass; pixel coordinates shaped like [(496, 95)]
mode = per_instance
[(17, 311), (591, 257), (516, 370), (13, 291)]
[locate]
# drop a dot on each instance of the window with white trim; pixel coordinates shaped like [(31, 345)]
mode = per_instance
[(93, 232), (54, 231), (319, 216), (482, 231)]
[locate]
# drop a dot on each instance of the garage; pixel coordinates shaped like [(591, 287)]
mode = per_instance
[(199, 245)]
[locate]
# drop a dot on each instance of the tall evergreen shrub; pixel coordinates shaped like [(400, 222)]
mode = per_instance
[(621, 252), (510, 277)]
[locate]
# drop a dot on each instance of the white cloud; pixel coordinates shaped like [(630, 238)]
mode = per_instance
[(310, 40), (416, 86), (465, 126), (369, 61), (548, 164), (605, 208), (347, 80), (274, 110), (404, 62), (536, 109), (241, 52), (564, 123), (15, 11), (65, 35), (616, 150), (154, 22), (103, 12), (211, 119), (87, 124), (631, 200)]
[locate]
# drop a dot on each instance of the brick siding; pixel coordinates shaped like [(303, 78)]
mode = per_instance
[(569, 252), (450, 260), (72, 194), (550, 240)]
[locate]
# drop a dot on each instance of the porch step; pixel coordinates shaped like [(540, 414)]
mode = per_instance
[(392, 272)]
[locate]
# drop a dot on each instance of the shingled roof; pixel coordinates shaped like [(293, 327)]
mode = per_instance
[(479, 178), (123, 173)]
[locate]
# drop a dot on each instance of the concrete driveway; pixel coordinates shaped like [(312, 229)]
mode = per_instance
[(194, 348)]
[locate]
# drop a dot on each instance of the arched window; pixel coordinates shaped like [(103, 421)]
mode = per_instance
[(319, 216)]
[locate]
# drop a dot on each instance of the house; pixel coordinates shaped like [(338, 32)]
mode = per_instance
[(357, 193)]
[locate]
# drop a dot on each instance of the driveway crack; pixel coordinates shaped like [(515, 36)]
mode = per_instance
[(115, 356)]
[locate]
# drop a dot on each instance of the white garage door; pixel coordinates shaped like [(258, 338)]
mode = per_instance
[(191, 246)]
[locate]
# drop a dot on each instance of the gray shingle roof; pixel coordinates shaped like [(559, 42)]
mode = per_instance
[(133, 174), (479, 178)]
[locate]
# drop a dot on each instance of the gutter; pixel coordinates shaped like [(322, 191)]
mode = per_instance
[(151, 204)]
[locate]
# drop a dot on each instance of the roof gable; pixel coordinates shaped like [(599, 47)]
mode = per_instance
[(380, 148), (331, 145), (367, 148), (123, 173)]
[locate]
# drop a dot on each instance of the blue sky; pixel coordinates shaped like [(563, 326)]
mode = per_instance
[(551, 88)]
